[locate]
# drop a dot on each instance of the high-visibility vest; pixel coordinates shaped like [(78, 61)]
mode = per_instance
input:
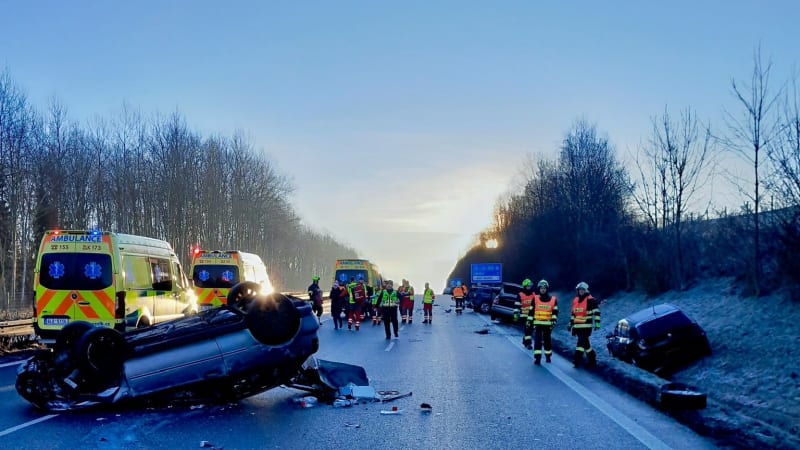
[(525, 302), (410, 291), (428, 296), (458, 292), (545, 312), (389, 298), (580, 313)]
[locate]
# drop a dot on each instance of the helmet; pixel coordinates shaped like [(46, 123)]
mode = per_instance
[(526, 282), (544, 284), (315, 278), (582, 285)]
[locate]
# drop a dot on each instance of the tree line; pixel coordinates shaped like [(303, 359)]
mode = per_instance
[(152, 176), (583, 216)]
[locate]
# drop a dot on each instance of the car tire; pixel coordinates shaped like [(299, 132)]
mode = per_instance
[(243, 294), (676, 396), (101, 353), (273, 320), (70, 335), (484, 308)]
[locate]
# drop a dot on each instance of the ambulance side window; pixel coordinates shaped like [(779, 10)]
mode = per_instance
[(162, 274), (137, 272), (178, 277)]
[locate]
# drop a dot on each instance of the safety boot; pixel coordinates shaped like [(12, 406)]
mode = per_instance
[(576, 360), (537, 360), (592, 355), (547, 358)]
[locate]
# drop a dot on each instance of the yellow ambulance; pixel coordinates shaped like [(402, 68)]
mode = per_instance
[(108, 279), (215, 272)]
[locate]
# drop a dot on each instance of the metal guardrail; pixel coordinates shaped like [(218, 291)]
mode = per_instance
[(11, 328)]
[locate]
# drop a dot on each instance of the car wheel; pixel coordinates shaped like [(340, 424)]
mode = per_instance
[(243, 294), (273, 321), (484, 308), (681, 396), (70, 334), (101, 353)]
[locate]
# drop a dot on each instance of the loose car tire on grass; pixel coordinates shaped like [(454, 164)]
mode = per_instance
[(681, 396)]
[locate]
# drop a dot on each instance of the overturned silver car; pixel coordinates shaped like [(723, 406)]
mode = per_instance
[(250, 345)]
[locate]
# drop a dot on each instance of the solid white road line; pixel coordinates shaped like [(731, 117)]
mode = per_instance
[(12, 364), (27, 424), (389, 347), (634, 429)]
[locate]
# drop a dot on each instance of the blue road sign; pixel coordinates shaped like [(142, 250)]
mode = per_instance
[(486, 273)]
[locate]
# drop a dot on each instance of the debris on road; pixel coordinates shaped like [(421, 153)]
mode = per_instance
[(394, 410), (483, 331), (206, 444), (394, 397), (426, 408)]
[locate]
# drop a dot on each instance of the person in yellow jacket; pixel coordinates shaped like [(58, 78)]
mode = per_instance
[(388, 303), (427, 303)]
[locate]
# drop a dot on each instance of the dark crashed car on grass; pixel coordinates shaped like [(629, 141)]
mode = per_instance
[(659, 339), (252, 344)]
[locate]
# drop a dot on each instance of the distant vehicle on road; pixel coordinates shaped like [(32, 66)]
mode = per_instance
[(658, 339), (352, 269), (247, 346), (451, 283), (215, 272), (480, 298), (506, 304)]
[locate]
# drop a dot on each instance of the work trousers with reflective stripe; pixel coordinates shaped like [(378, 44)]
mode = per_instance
[(354, 315), (427, 311), (541, 335), (584, 345)]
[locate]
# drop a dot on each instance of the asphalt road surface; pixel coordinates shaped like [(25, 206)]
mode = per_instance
[(483, 388)]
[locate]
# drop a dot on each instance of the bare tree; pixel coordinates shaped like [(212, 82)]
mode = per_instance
[(679, 159), (750, 132)]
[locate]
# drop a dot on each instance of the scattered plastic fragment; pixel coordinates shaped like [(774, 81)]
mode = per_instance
[(206, 444), (426, 408), (394, 410)]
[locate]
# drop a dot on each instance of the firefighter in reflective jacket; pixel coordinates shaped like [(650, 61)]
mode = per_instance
[(585, 316), (526, 296), (388, 303), (358, 296), (543, 318), (458, 296), (376, 310), (427, 303)]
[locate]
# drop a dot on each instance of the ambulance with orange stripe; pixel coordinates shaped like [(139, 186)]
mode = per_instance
[(214, 273), (109, 279)]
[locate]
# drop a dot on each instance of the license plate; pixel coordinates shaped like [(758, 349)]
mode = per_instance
[(56, 321)]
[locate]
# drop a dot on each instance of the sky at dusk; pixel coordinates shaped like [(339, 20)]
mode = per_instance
[(429, 109)]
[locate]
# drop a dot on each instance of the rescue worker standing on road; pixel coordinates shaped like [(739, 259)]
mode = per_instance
[(526, 296), (427, 303), (585, 316), (376, 311), (315, 297), (543, 317), (407, 303), (388, 304), (358, 296), (338, 296), (458, 295)]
